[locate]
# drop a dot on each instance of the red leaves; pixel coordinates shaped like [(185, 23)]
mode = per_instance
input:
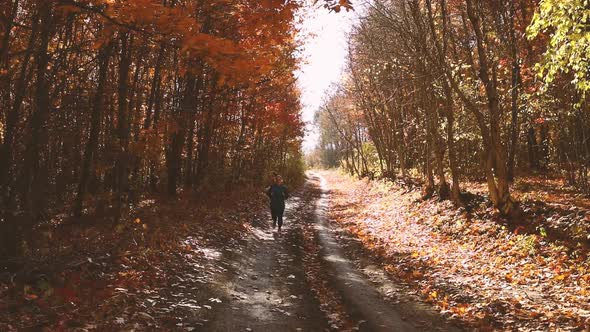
[(539, 120)]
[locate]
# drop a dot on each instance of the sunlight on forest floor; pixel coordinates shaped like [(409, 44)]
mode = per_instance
[(471, 265), (155, 270)]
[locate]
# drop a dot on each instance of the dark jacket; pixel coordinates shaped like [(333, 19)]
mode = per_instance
[(277, 194)]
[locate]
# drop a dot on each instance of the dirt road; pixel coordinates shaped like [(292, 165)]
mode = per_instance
[(272, 285)]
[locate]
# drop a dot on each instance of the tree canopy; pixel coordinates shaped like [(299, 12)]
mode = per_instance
[(448, 88), (105, 101), (567, 25)]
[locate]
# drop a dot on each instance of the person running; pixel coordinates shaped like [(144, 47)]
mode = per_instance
[(277, 193)]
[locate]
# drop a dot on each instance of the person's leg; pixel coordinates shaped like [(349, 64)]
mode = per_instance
[(274, 216), (280, 218)]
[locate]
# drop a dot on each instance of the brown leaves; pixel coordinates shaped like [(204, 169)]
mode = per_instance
[(102, 279), (68, 9), (475, 268), (337, 5)]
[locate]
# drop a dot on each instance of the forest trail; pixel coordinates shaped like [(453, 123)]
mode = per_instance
[(270, 288), (266, 289)]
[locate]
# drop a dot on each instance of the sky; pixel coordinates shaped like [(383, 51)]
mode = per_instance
[(324, 55)]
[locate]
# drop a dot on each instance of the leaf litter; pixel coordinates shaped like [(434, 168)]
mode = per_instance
[(474, 266), (153, 270)]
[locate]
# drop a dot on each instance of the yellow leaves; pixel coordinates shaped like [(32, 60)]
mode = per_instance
[(120, 228), (560, 277), (508, 277), (137, 221), (460, 309), (432, 295)]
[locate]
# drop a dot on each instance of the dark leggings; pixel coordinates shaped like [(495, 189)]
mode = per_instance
[(277, 216)]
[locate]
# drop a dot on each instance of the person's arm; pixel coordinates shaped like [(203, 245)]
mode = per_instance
[(268, 192), (285, 193)]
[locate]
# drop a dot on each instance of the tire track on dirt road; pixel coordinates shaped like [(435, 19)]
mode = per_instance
[(266, 289), (271, 287)]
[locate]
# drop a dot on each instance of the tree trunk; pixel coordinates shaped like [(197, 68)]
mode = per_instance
[(174, 150), (455, 190), (5, 77), (34, 176), (189, 174), (443, 186), (206, 135), (95, 122), (156, 81), (121, 164), (498, 185), (7, 152), (514, 95), (428, 189), (441, 45)]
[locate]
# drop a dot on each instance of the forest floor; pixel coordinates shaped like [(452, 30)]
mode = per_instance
[(353, 255), (299, 279), (156, 270), (210, 264), (532, 274)]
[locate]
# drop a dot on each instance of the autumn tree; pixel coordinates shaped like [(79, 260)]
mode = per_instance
[(568, 49), (449, 88), (104, 102)]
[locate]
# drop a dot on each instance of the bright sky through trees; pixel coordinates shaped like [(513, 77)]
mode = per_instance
[(324, 52)]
